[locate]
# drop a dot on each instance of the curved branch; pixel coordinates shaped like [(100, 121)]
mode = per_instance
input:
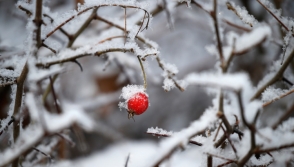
[(95, 7), (48, 64)]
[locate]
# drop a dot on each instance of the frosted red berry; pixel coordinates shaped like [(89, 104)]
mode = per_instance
[(138, 104)]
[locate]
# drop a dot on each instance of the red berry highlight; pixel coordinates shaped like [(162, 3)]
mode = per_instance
[(138, 103)]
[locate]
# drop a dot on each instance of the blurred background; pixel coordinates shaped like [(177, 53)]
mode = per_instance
[(99, 85)]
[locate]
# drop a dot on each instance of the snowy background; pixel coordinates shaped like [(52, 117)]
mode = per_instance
[(92, 130)]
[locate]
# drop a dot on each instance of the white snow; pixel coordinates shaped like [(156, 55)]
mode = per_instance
[(128, 92), (244, 15)]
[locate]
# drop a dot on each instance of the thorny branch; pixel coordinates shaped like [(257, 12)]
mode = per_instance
[(229, 128), (281, 23), (48, 64), (276, 77), (94, 7)]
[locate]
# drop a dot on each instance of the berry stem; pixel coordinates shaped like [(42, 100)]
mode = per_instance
[(143, 71)]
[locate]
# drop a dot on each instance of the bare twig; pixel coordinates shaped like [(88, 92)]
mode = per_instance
[(232, 145), (160, 64), (282, 24), (127, 160), (276, 77), (252, 129), (209, 161), (61, 29), (280, 97), (217, 156), (54, 96), (78, 63), (236, 25), (228, 62), (126, 25), (287, 81), (82, 28), (46, 46), (226, 163), (94, 7), (121, 28), (110, 38), (38, 22), (28, 12), (46, 155), (217, 131), (6, 127), (48, 64), (18, 98), (284, 146), (219, 44), (141, 24), (232, 8)]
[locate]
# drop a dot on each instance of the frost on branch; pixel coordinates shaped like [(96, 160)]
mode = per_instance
[(242, 13), (52, 107)]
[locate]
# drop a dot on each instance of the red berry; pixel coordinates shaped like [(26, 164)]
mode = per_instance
[(138, 103)]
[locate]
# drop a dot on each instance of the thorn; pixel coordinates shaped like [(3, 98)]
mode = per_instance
[(79, 64)]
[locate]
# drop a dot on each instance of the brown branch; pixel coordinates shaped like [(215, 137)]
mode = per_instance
[(232, 145), (126, 25), (201, 7), (46, 46), (94, 7), (228, 62), (282, 24), (223, 158), (61, 29), (276, 77), (48, 64), (287, 81), (224, 119), (232, 8), (65, 138), (226, 163), (236, 25), (82, 28), (170, 74), (219, 44), (121, 28), (110, 38), (252, 129), (209, 161), (284, 146), (217, 131), (38, 22), (28, 12), (46, 155), (18, 98), (9, 123), (141, 24), (54, 96), (283, 95)]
